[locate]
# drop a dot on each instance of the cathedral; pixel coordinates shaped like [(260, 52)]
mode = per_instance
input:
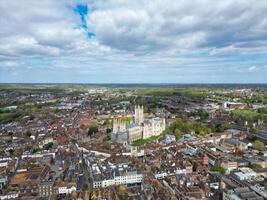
[(141, 128)]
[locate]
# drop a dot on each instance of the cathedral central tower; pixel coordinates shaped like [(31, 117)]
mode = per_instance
[(139, 114)]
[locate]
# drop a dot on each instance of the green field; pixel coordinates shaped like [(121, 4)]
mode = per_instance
[(25, 110), (168, 91), (8, 117), (141, 142)]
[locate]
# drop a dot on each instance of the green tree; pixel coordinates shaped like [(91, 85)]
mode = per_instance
[(254, 166), (218, 168), (107, 138), (177, 134), (252, 129), (107, 122), (8, 141), (28, 134), (35, 150), (258, 145), (222, 126), (92, 129), (48, 146), (108, 130)]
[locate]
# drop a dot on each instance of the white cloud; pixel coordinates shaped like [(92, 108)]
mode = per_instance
[(151, 26), (249, 69), (8, 63), (252, 68), (47, 28), (223, 51), (197, 36), (141, 27)]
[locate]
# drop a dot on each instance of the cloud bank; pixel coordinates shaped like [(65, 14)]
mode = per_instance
[(133, 41)]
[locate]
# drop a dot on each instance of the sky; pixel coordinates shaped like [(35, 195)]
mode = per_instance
[(140, 41)]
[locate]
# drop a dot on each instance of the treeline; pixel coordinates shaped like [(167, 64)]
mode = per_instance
[(250, 115), (170, 91), (21, 111), (180, 127)]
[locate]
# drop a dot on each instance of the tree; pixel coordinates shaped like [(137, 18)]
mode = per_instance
[(107, 122), (254, 166), (202, 133), (258, 145), (253, 130), (48, 146), (92, 129), (107, 138), (35, 150), (8, 141), (218, 168), (108, 130), (201, 113), (28, 134), (177, 134), (222, 126)]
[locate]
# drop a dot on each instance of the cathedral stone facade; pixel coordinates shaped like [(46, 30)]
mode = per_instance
[(141, 128)]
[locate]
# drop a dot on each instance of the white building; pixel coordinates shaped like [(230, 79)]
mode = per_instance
[(107, 174), (139, 115), (66, 189), (134, 133), (128, 178), (140, 129), (119, 126), (9, 196), (153, 127)]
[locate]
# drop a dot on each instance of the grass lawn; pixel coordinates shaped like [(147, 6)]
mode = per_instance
[(141, 142), (6, 117)]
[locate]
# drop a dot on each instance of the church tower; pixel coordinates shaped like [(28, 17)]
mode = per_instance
[(118, 125), (139, 114), (115, 127)]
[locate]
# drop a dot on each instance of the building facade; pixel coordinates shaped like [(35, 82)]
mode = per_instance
[(141, 128), (127, 178), (45, 188)]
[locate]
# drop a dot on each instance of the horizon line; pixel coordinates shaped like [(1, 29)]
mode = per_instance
[(130, 83)]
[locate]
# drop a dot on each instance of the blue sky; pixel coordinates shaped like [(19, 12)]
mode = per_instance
[(141, 41)]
